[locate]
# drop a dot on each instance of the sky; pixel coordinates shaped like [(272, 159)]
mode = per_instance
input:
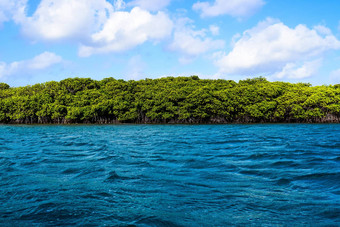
[(282, 40)]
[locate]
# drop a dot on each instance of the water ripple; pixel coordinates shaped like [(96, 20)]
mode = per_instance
[(170, 175)]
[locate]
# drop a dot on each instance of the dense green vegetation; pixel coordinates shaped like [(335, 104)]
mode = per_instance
[(168, 100)]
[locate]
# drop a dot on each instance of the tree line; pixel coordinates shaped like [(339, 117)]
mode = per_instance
[(168, 100)]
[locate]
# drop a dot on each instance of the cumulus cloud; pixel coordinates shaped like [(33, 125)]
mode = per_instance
[(125, 30), (152, 5), (322, 30), (64, 19), (299, 71), (11, 10), (39, 62), (43, 61), (234, 8), (272, 47), (5, 8), (98, 26), (190, 42)]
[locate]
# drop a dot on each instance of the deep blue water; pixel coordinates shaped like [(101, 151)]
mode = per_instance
[(170, 175)]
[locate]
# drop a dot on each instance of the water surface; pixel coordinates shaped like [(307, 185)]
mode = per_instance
[(170, 175)]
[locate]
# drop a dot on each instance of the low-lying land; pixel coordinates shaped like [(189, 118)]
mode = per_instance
[(169, 100)]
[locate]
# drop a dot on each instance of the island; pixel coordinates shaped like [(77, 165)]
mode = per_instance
[(176, 100)]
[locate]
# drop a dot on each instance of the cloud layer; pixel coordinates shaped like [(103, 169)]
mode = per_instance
[(191, 42), (235, 8), (152, 5), (125, 30), (5, 8), (12, 10), (63, 19), (95, 27), (98, 26), (273, 47), (38, 63)]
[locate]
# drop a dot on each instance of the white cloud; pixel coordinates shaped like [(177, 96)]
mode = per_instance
[(5, 70), (192, 43), (43, 61), (11, 9), (235, 8), (65, 19), (299, 71), (322, 30), (152, 5), (39, 62), (215, 30), (118, 5), (5, 8), (98, 26), (271, 47), (335, 76), (125, 30)]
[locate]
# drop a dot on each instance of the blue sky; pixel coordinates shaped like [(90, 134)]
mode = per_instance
[(44, 40)]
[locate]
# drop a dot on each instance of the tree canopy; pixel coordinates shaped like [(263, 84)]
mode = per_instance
[(169, 100)]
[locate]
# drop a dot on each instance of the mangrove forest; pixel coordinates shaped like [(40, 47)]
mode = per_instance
[(169, 100)]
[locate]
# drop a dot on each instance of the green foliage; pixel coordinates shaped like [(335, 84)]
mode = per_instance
[(3, 86), (170, 99)]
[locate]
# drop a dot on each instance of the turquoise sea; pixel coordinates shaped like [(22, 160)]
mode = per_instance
[(170, 175)]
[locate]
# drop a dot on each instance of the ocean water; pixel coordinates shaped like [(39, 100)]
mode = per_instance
[(170, 175)]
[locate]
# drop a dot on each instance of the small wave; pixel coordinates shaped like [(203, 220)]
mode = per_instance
[(5, 162), (101, 148), (317, 160), (329, 146), (259, 172), (113, 176), (103, 194), (330, 213), (71, 171), (141, 164), (197, 164), (320, 176), (154, 221), (5, 148), (336, 192), (284, 164), (337, 159), (283, 181), (54, 215), (259, 156), (90, 172), (196, 184), (227, 142)]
